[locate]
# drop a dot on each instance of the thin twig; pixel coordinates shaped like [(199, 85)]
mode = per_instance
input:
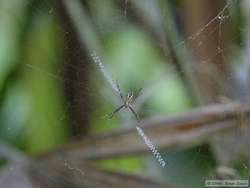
[(177, 131)]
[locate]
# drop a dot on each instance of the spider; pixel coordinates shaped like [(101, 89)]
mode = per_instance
[(127, 103)]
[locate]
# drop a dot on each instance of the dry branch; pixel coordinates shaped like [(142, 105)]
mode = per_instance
[(25, 172), (90, 177), (176, 131)]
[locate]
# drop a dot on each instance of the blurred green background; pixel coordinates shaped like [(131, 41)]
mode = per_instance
[(51, 93), (33, 106)]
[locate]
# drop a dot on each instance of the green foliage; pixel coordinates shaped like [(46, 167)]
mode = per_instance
[(124, 164), (32, 107), (45, 128)]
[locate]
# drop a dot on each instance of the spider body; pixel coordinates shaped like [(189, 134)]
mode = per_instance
[(128, 99), (127, 103)]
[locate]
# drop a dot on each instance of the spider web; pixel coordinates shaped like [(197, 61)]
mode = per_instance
[(222, 17)]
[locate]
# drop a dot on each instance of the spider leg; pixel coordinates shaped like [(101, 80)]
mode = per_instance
[(135, 114), (115, 111), (137, 94), (119, 90)]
